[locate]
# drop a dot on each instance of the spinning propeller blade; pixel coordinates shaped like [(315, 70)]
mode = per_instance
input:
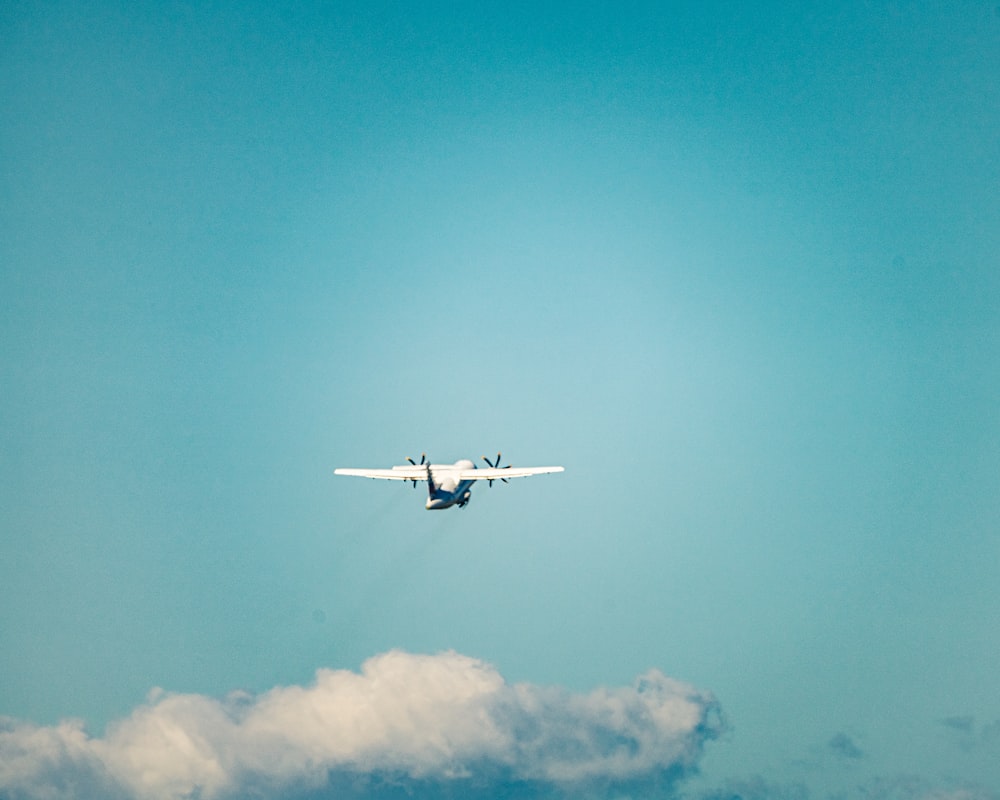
[(495, 466), (423, 460)]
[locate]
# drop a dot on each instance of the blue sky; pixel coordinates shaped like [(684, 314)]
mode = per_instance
[(735, 267)]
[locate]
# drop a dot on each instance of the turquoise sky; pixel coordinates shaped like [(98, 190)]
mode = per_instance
[(735, 266)]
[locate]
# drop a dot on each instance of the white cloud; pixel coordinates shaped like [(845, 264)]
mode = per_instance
[(444, 719)]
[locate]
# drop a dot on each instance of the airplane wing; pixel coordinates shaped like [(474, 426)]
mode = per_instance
[(494, 473), (394, 474)]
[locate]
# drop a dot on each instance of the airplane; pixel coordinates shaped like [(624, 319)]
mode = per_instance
[(448, 484)]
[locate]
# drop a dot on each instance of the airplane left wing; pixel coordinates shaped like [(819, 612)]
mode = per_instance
[(502, 473)]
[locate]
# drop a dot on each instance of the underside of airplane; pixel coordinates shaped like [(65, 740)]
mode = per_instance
[(448, 484)]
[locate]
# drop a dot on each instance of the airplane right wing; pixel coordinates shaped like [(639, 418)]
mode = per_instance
[(394, 474)]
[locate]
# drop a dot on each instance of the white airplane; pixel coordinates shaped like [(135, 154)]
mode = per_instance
[(448, 484)]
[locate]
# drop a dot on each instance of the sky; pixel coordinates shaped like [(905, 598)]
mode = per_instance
[(734, 266)]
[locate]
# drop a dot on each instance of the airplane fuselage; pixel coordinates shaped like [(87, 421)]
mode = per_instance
[(444, 488)]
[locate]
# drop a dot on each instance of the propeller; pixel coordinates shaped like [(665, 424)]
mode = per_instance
[(423, 460), (495, 465)]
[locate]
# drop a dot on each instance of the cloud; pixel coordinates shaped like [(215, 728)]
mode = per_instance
[(963, 724), (404, 725), (908, 787), (969, 736), (898, 787), (757, 788), (844, 746), (991, 732)]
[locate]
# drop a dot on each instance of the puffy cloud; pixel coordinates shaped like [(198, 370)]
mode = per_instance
[(404, 722)]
